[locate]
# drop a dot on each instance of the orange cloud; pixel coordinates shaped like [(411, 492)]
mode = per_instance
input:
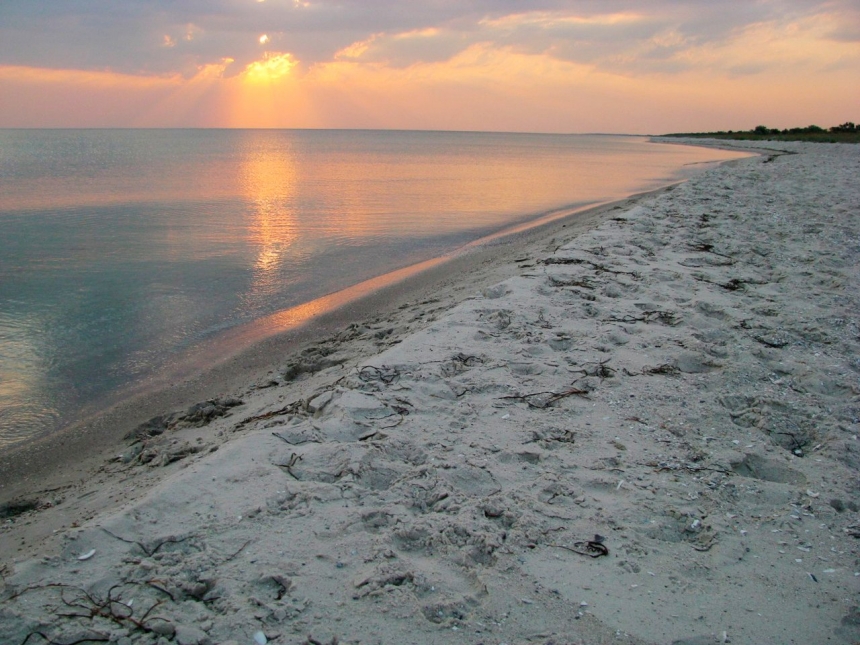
[(356, 50), (273, 66), (781, 74)]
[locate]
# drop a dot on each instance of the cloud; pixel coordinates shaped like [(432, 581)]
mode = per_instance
[(848, 28), (553, 64), (130, 37)]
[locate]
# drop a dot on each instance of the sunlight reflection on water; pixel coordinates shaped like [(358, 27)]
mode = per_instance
[(122, 248)]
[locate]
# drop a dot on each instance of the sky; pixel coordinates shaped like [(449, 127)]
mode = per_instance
[(615, 66)]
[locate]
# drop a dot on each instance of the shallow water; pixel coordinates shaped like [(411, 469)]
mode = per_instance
[(121, 248)]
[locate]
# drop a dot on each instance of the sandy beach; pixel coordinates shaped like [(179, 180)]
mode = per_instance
[(634, 425)]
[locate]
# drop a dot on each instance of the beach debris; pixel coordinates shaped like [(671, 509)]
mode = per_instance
[(542, 400), (237, 552), (705, 540), (282, 584), (384, 374), (664, 369), (291, 408), (600, 370), (203, 413), (394, 577), (158, 456), (669, 318), (600, 268), (459, 363), (705, 247), (83, 604), (152, 547), (294, 459), (155, 426), (594, 548), (585, 283), (776, 340), (197, 415), (543, 322), (131, 454), (665, 466), (260, 638), (313, 641), (87, 555), (735, 284)]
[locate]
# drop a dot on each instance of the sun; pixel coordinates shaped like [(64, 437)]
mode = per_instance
[(273, 66)]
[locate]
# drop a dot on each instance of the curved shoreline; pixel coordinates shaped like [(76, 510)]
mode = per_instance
[(57, 459), (600, 446)]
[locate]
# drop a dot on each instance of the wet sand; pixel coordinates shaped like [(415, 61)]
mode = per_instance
[(67, 457)]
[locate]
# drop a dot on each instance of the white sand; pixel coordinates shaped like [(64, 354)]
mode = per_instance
[(681, 381)]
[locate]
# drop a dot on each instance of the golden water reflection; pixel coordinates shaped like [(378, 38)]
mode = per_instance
[(268, 180)]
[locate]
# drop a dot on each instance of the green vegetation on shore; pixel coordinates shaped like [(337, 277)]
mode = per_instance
[(846, 133)]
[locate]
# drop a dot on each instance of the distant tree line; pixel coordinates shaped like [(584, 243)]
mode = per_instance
[(847, 132), (848, 126)]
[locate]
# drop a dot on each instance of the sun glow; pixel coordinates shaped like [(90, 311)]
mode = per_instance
[(274, 65), (545, 71)]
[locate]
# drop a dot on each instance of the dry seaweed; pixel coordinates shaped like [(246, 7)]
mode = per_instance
[(542, 400), (600, 268)]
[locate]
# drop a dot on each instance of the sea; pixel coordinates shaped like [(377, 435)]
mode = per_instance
[(122, 249)]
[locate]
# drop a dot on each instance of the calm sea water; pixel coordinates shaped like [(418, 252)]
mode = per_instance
[(121, 248)]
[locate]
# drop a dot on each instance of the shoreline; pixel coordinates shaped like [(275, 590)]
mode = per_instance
[(83, 445), (636, 427), (198, 376), (78, 370)]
